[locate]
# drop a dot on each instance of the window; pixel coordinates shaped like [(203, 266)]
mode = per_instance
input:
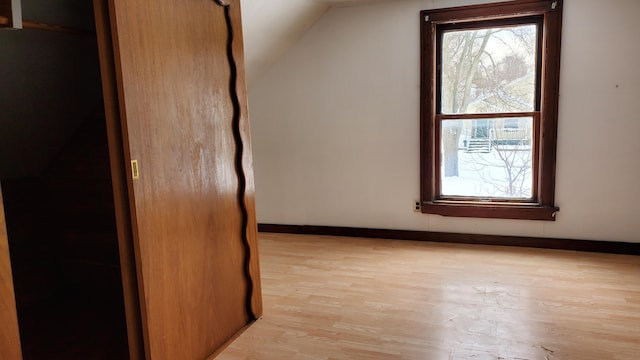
[(489, 100)]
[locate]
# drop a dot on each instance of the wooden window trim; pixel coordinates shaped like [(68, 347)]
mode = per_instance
[(542, 205)]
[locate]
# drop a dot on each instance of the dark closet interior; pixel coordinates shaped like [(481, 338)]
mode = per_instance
[(56, 184)]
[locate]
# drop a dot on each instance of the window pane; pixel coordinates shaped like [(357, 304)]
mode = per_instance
[(489, 70), (487, 158)]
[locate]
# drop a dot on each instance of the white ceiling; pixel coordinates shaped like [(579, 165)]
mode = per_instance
[(271, 27)]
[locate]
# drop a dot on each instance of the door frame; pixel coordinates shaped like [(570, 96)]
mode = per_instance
[(9, 331), (118, 163)]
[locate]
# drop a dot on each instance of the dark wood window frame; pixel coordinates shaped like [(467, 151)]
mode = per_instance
[(541, 206)]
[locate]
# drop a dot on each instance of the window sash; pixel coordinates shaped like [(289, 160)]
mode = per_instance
[(433, 23), (535, 144), (441, 29)]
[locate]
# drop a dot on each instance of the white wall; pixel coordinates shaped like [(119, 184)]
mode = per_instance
[(335, 125), (271, 27)]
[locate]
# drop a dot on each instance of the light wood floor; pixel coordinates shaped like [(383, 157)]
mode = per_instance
[(348, 298)]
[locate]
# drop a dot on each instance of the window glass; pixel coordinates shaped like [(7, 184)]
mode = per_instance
[(489, 70), (494, 159)]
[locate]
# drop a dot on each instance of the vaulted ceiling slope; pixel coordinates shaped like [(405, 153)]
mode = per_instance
[(271, 27)]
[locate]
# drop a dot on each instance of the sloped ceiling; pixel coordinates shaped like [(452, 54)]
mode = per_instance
[(271, 27)]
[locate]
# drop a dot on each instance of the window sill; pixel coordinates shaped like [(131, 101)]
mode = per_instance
[(490, 210)]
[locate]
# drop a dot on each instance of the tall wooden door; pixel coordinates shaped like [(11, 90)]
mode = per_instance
[(179, 72), (9, 334)]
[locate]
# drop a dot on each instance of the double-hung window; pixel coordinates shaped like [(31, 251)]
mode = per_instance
[(489, 103)]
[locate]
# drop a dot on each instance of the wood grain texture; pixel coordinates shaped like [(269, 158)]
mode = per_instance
[(56, 28), (347, 298), (177, 113), (9, 333), (119, 182), (246, 161), (610, 247)]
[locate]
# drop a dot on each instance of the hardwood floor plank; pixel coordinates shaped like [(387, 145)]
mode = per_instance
[(357, 298)]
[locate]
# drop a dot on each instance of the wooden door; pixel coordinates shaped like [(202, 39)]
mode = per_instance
[(182, 106), (9, 335)]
